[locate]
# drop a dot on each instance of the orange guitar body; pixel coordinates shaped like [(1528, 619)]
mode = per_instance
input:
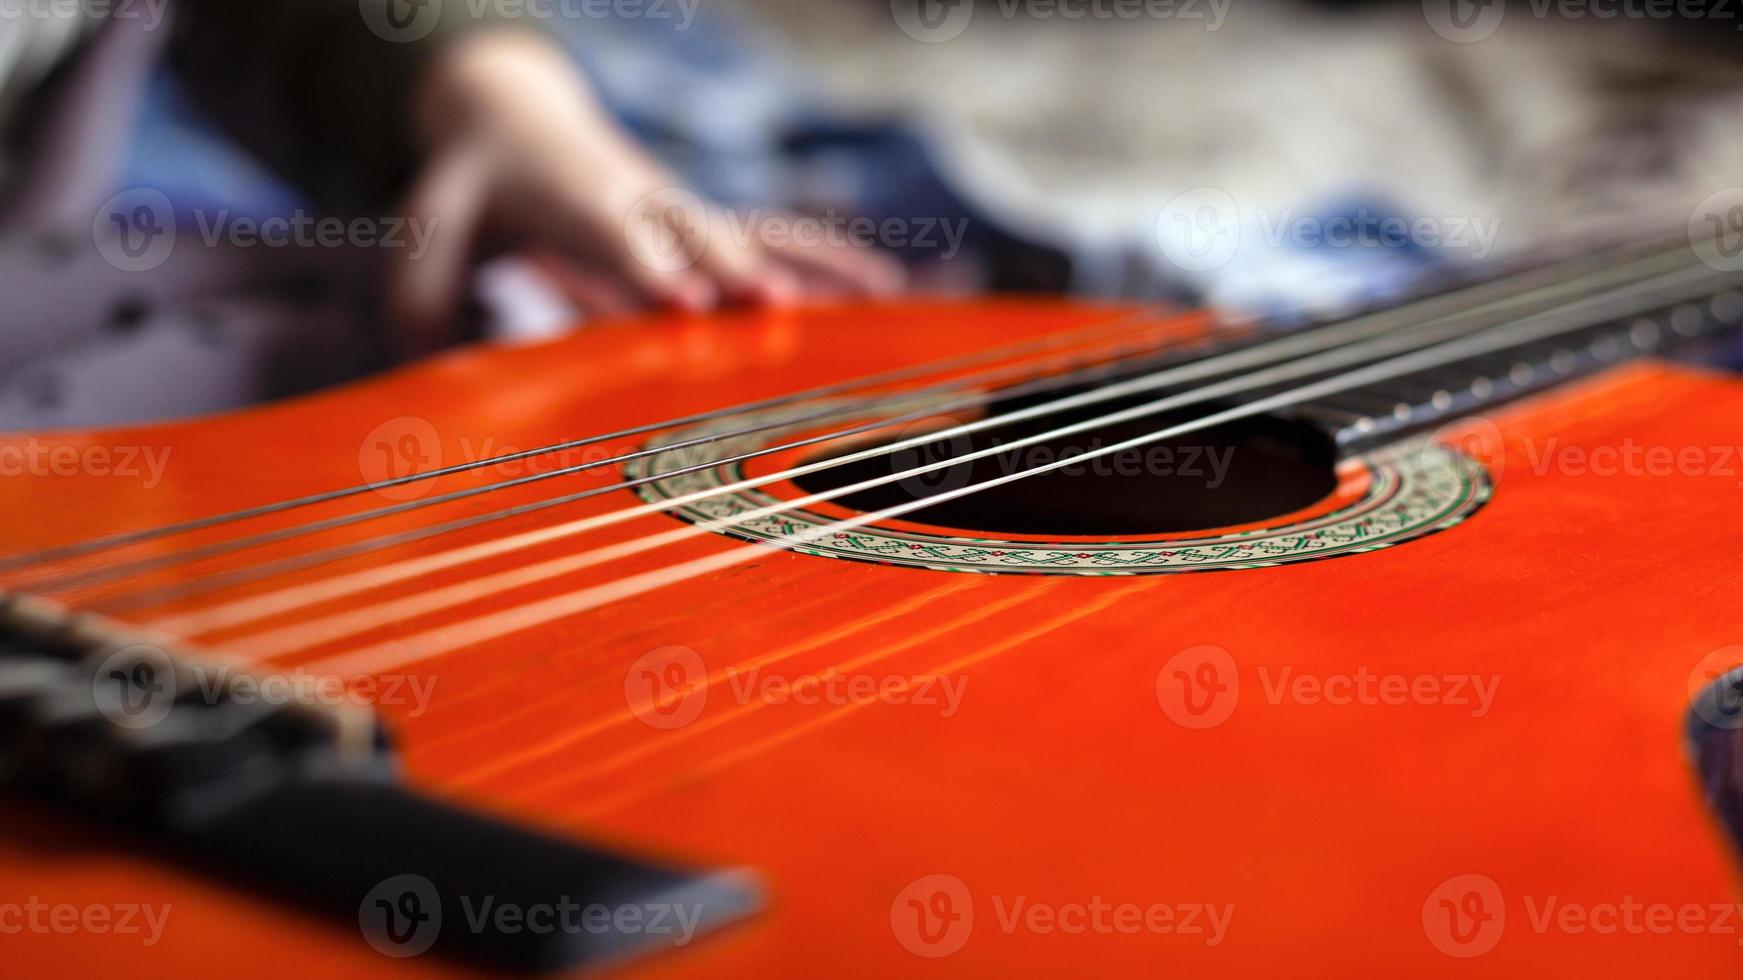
[(1043, 775)]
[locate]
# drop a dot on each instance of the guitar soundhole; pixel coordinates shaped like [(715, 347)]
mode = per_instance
[(1243, 472)]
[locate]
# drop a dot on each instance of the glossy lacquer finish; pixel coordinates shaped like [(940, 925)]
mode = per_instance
[(1457, 756)]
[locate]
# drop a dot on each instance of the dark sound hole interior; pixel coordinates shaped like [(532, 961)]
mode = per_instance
[(1245, 471)]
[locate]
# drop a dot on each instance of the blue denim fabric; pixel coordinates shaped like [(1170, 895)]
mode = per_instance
[(728, 113)]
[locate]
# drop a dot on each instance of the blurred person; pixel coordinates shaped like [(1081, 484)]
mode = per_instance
[(482, 129), (1053, 153)]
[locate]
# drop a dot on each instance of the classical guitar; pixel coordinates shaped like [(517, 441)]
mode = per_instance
[(1006, 637)]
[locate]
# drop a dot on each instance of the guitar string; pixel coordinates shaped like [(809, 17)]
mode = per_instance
[(566, 737), (74, 580), (397, 652), (110, 541), (1113, 325), (207, 584), (350, 622), (258, 606), (255, 607)]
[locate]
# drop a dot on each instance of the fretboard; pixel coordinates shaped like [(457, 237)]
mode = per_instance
[(1384, 412)]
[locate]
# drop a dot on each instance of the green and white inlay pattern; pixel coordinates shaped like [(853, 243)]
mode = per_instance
[(1415, 488)]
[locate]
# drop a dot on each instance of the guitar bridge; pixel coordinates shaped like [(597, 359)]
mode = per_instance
[(149, 737)]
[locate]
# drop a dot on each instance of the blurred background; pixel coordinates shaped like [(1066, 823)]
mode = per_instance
[(618, 156)]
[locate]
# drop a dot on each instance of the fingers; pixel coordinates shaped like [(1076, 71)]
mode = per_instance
[(594, 292), (649, 247), (672, 232), (669, 249), (753, 261), (743, 274), (837, 269)]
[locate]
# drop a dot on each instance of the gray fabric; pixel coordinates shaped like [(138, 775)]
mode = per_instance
[(213, 328), (85, 338), (198, 359), (86, 341)]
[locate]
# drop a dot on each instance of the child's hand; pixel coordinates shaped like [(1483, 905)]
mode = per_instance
[(518, 150)]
